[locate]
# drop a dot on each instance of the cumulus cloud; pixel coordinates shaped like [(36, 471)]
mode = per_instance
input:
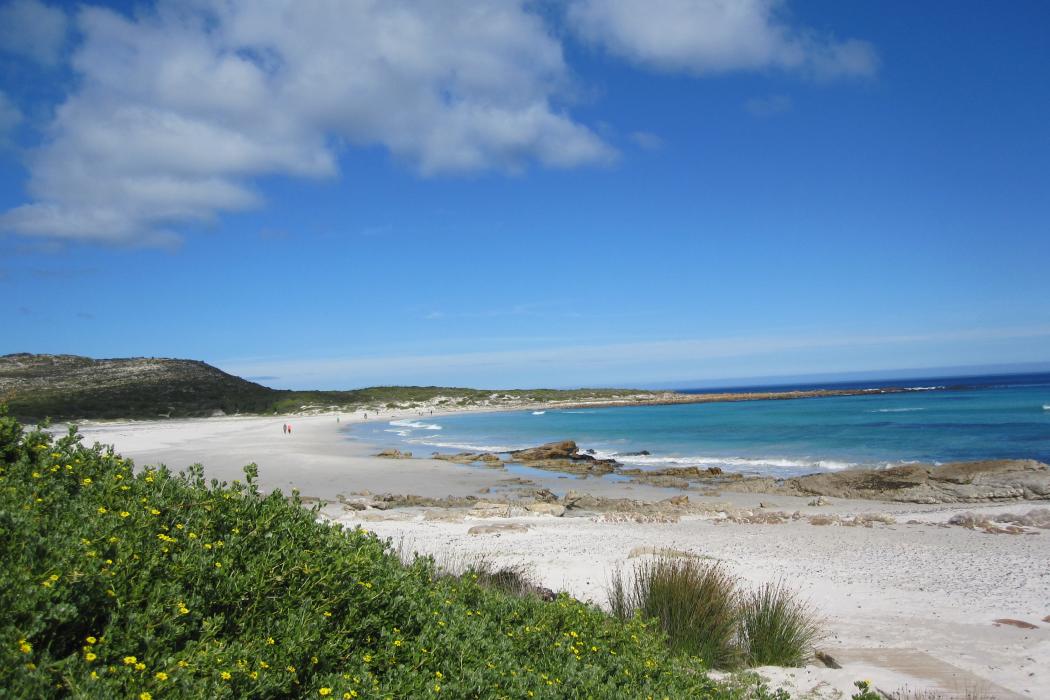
[(715, 36), (10, 117), (32, 29), (179, 108)]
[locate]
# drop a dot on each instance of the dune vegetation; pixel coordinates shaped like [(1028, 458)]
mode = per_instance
[(117, 582)]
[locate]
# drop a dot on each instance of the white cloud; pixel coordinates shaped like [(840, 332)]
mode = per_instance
[(715, 36), (179, 109), (10, 117), (647, 140), (658, 360), (32, 29)]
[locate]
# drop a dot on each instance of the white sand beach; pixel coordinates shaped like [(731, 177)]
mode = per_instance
[(909, 604)]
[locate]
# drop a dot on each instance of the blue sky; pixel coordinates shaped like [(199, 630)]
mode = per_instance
[(506, 194)]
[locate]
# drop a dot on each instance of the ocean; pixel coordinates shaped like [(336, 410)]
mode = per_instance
[(939, 419)]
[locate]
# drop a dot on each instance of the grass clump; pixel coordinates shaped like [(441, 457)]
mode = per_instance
[(776, 629), (145, 584), (694, 602), (704, 614)]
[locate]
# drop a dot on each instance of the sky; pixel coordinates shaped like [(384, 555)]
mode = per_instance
[(521, 194)]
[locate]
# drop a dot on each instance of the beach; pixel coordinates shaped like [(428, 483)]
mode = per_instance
[(908, 600)]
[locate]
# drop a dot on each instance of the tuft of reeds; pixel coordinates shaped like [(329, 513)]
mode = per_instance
[(776, 629), (693, 602)]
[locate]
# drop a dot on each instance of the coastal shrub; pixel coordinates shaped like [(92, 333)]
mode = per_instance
[(698, 605), (776, 629), (694, 602), (124, 583)]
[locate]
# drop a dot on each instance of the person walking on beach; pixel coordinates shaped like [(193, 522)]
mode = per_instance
[(284, 428)]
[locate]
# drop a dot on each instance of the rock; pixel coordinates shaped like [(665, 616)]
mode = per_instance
[(486, 458), (382, 505), (642, 453), (563, 456), (490, 510), (676, 501), (555, 509), (355, 505), (566, 449), (827, 659), (669, 482), (820, 501), (394, 454), (497, 529), (766, 504), (714, 471), (986, 481), (1016, 623), (579, 501)]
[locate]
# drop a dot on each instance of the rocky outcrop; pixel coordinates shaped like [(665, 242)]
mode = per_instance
[(958, 482), (394, 454), (486, 458), (564, 456)]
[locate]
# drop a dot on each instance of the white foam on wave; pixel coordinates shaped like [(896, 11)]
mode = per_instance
[(405, 423), (923, 388), (1046, 406), (472, 447), (538, 413), (740, 463), (896, 410)]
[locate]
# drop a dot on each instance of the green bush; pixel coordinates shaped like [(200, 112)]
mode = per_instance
[(123, 584), (776, 628), (694, 602)]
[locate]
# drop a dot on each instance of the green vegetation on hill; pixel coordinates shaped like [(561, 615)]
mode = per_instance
[(116, 583), (68, 386)]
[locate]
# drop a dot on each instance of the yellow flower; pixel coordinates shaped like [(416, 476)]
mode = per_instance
[(90, 657), (145, 696), (290, 669), (25, 646), (253, 675), (183, 610), (124, 514), (397, 642), (437, 688), (324, 691), (154, 511), (102, 510), (130, 660), (437, 674), (183, 663), (140, 666), (263, 664), (348, 695), (225, 675), (91, 640), (270, 640), (327, 614), (86, 481), (161, 676)]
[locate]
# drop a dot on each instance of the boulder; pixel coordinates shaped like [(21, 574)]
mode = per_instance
[(555, 509)]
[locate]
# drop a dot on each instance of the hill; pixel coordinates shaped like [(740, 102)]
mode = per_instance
[(71, 386)]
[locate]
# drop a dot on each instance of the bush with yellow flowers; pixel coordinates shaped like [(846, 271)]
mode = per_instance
[(140, 583)]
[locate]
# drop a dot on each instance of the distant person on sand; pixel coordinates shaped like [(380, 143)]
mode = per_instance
[(284, 428)]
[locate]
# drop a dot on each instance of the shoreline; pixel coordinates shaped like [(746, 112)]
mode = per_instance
[(900, 578)]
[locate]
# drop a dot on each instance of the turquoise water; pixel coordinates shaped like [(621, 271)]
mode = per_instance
[(977, 418)]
